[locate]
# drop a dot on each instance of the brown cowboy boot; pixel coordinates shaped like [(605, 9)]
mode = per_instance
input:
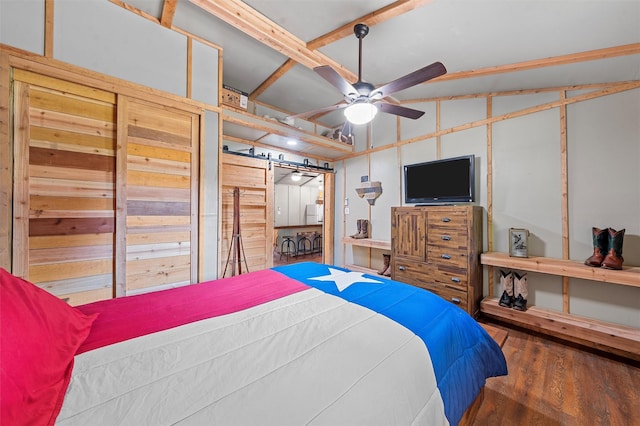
[(385, 267), (614, 258), (600, 246), (387, 273)]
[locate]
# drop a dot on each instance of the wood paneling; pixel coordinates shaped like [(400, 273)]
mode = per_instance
[(160, 205), (64, 151), (92, 169), (6, 166), (254, 178)]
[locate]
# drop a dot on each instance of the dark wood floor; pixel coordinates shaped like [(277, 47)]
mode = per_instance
[(552, 383)]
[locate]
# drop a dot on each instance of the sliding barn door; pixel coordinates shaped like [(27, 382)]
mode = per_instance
[(105, 195), (161, 186), (64, 187), (254, 179)]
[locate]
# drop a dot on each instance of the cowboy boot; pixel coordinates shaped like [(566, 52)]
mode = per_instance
[(365, 228), (359, 225), (362, 229), (614, 259), (600, 246), (387, 273), (506, 284), (520, 288), (387, 260)]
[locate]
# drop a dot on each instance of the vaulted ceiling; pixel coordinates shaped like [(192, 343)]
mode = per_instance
[(270, 47)]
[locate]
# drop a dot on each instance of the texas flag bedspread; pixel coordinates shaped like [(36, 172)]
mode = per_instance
[(300, 344)]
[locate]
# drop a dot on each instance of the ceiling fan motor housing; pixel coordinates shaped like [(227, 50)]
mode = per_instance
[(360, 30)]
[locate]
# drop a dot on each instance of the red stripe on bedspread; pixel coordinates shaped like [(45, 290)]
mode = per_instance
[(133, 316)]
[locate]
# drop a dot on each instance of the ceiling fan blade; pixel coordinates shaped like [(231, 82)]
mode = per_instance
[(399, 110), (419, 76), (336, 80), (320, 110)]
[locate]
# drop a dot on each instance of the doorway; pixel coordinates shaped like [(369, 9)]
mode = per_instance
[(298, 212)]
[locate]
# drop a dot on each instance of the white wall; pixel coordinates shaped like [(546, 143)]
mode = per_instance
[(103, 37), (209, 200), (21, 24), (604, 191), (603, 154)]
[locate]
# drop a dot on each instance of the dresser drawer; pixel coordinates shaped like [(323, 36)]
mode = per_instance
[(455, 279), (421, 274), (411, 272), (452, 295), (454, 238), (447, 219), (447, 257)]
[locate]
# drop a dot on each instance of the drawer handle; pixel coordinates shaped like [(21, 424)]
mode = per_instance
[(446, 219), (446, 237), (445, 256), (455, 279), (455, 300), (402, 268)]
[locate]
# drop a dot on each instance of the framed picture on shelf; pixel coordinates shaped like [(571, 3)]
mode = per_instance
[(518, 242)]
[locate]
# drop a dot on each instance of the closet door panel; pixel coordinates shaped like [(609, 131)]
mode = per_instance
[(65, 142), (161, 197)]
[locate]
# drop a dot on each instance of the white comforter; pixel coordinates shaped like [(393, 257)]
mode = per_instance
[(308, 358)]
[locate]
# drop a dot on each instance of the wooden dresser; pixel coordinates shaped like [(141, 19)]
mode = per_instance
[(438, 248)]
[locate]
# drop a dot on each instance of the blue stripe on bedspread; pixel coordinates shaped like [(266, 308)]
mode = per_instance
[(462, 353)]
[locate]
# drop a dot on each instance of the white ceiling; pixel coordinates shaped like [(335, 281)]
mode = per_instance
[(464, 35)]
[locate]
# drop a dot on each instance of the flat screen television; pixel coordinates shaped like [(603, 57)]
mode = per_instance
[(446, 181)]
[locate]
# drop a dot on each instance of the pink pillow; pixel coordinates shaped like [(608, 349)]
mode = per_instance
[(39, 335)]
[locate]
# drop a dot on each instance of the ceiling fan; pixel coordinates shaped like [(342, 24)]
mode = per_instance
[(362, 100)]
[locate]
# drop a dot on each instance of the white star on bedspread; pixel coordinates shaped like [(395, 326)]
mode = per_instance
[(344, 279)]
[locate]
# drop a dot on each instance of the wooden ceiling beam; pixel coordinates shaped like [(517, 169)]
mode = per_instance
[(168, 12), (246, 19), (390, 11), (289, 63), (609, 52), (377, 16)]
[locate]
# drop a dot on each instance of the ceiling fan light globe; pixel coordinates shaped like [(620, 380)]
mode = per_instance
[(295, 176), (360, 113)]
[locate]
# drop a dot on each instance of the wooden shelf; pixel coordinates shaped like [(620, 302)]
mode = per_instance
[(308, 142), (367, 242), (629, 275), (615, 338), (358, 268)]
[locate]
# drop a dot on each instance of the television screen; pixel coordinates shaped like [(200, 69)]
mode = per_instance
[(443, 181)]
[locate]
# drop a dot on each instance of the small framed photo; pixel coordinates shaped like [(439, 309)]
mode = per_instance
[(518, 242)]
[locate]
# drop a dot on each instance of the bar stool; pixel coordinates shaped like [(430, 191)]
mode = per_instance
[(288, 247), (303, 243), (317, 243)]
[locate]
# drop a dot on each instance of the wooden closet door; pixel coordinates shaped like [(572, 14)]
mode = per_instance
[(64, 186), (160, 193), (254, 178)]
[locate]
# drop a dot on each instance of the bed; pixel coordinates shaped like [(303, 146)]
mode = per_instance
[(305, 343)]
